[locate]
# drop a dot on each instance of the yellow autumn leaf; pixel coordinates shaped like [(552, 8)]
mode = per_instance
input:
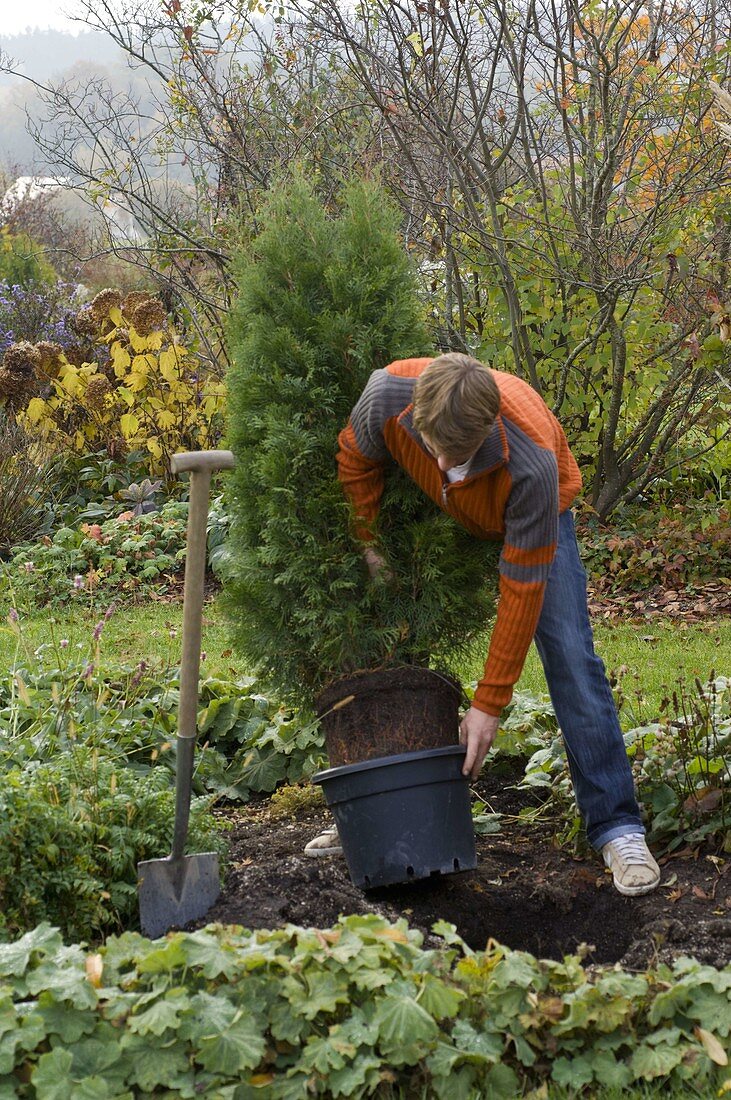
[(711, 1045), (121, 360), (126, 395), (261, 1080), (153, 342), (36, 410), (137, 342), (68, 379), (22, 689), (136, 381), (129, 425), (79, 441), (166, 419), (394, 934), (416, 41), (115, 316), (94, 965), (211, 405), (170, 364), (154, 448)]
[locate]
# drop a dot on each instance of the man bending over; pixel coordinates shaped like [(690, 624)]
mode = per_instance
[(486, 448)]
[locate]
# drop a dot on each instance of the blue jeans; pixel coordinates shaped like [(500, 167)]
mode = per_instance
[(582, 699)]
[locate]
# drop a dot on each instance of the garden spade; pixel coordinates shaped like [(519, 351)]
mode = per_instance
[(178, 889)]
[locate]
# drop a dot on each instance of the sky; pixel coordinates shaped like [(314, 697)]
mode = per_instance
[(16, 17)]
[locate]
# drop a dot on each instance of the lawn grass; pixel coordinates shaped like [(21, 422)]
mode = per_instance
[(645, 656)]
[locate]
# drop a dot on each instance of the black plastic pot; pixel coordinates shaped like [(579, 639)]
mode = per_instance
[(402, 818)]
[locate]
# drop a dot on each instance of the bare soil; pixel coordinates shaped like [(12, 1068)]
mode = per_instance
[(527, 892)]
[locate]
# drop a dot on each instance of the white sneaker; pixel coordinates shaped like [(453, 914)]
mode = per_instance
[(632, 864), (327, 843)]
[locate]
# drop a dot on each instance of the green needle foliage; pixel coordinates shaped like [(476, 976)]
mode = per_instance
[(325, 296)]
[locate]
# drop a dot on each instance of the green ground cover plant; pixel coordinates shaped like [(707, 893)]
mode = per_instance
[(360, 1009), (72, 830), (687, 546), (87, 760), (125, 556), (680, 764)]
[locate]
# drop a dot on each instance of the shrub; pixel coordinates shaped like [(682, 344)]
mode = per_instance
[(22, 262), (691, 546), (72, 831), (127, 555), (148, 392), (682, 765), (325, 297)]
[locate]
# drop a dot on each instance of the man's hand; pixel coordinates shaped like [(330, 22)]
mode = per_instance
[(477, 731), (376, 564)]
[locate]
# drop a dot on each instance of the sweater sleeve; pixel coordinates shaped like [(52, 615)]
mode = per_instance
[(531, 533), (363, 455)]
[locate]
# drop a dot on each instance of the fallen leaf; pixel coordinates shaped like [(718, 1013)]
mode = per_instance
[(711, 1045), (699, 893)]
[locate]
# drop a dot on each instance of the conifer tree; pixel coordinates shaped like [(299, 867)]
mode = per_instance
[(324, 298)]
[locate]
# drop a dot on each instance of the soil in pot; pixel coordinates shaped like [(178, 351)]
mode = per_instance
[(388, 712)]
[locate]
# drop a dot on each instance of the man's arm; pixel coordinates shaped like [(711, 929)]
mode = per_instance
[(531, 532), (363, 455)]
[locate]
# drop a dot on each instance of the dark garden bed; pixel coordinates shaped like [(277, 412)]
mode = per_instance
[(526, 892)]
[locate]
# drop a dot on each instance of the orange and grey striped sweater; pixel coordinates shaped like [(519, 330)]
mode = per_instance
[(520, 480)]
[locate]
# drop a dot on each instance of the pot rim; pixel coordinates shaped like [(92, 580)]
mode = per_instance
[(387, 762)]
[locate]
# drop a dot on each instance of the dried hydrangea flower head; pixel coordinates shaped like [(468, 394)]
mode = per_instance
[(51, 357), (97, 389), (133, 299), (148, 316), (105, 301), (84, 322), (19, 373)]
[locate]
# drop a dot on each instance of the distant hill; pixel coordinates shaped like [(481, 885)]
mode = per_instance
[(49, 53), (50, 56)]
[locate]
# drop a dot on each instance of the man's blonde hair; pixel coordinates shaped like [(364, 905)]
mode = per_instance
[(456, 400)]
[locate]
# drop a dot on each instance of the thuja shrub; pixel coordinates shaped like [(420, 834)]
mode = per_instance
[(325, 296)]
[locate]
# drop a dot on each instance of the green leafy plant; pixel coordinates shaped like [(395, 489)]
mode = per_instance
[(691, 546), (52, 703), (143, 496), (325, 297), (682, 765), (71, 833), (357, 1010), (22, 262), (27, 475), (89, 484), (125, 555)]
